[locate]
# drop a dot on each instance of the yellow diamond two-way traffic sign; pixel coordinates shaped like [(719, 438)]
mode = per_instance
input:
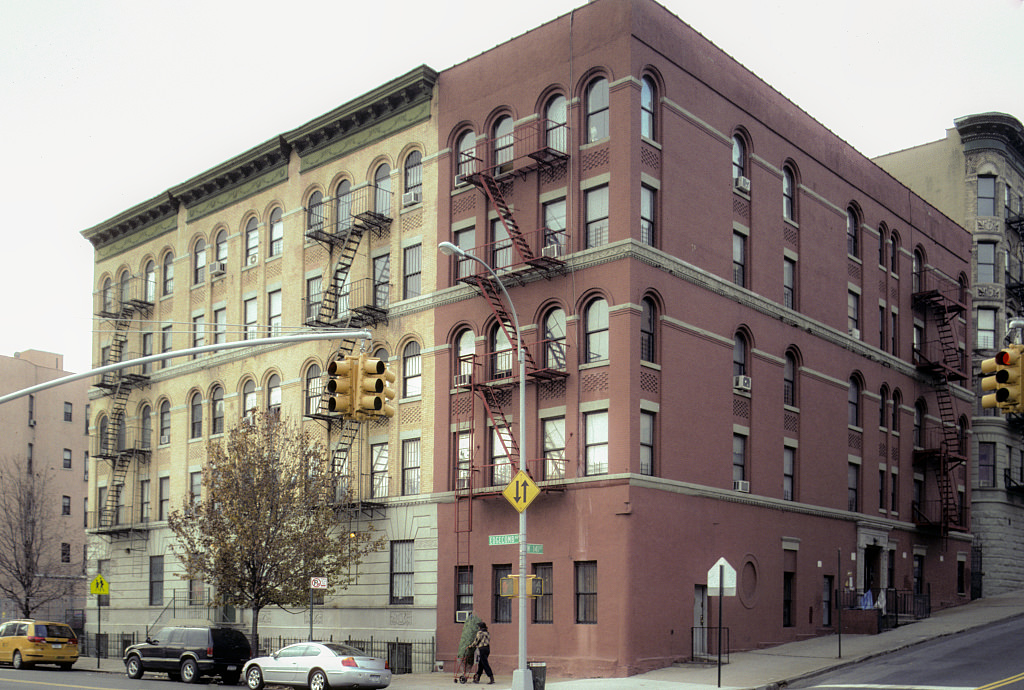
[(521, 491)]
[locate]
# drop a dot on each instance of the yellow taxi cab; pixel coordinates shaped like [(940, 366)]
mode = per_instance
[(24, 643)]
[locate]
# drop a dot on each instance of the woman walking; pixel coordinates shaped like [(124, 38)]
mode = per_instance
[(482, 642)]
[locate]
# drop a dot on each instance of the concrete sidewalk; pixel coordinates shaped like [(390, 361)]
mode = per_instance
[(746, 670)]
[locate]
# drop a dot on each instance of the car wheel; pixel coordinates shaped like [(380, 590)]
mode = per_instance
[(189, 671), (16, 660), (134, 667), (65, 667), (318, 680), (254, 678)]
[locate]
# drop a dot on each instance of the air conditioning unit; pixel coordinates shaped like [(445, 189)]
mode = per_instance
[(854, 333), (552, 251), (218, 268), (462, 483), (741, 486), (460, 380), (741, 383), (31, 422), (410, 198), (460, 180), (742, 184), (462, 616), (251, 261), (164, 440)]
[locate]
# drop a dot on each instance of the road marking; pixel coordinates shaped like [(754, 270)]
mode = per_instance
[(38, 682), (1004, 681), (867, 686)]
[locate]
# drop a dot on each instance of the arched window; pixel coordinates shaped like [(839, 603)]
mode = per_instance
[(382, 180), (647, 118), (168, 270), (853, 403), (648, 322), (596, 331), (554, 339), (555, 124), (104, 429), (788, 194), (739, 157), (466, 345), (412, 371), (467, 153), (503, 144), (107, 296), (597, 110), (274, 393), (852, 232), (739, 355), (897, 400), (315, 212), (343, 204), (414, 177), (917, 269), (165, 422), (221, 246), (125, 285), (146, 427), (195, 416), (149, 278), (276, 232), (894, 248), (199, 262), (502, 354), (217, 410), (248, 398), (789, 381), (252, 241), (883, 401), (314, 389)]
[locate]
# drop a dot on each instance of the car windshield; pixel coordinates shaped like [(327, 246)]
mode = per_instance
[(343, 649)]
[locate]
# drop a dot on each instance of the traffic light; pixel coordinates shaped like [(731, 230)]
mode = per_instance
[(374, 387), (340, 373), (1002, 374)]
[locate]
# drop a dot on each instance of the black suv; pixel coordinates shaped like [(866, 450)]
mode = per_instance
[(188, 653)]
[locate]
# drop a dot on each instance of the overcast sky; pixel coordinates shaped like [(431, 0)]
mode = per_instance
[(107, 103)]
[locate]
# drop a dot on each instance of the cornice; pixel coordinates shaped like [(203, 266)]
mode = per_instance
[(992, 130), (158, 209)]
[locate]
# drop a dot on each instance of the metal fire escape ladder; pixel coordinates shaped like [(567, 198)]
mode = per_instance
[(492, 293), (492, 189)]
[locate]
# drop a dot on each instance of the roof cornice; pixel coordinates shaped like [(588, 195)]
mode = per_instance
[(992, 130)]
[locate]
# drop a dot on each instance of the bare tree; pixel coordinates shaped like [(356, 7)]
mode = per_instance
[(33, 572), (267, 521)]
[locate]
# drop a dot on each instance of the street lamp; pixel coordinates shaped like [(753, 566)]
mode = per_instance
[(522, 677)]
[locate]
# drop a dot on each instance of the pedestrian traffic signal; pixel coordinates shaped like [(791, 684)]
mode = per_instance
[(375, 391), (340, 373), (1002, 374)]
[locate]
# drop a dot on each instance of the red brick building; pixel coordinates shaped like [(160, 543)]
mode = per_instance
[(743, 340)]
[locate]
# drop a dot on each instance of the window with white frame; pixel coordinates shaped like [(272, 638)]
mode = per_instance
[(410, 466), (597, 125), (595, 442)]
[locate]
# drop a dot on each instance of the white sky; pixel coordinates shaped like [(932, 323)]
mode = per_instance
[(107, 103)]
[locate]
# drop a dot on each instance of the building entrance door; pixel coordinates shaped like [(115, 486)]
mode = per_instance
[(700, 621)]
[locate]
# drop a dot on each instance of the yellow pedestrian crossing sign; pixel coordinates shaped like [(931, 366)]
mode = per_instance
[(521, 491), (99, 585)]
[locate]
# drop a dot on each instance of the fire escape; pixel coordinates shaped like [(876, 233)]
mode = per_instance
[(941, 451), (344, 303), (489, 383), (116, 443)]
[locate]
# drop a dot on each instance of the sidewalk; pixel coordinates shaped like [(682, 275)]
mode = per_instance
[(747, 670)]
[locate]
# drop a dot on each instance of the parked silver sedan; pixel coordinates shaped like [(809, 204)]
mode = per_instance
[(317, 666)]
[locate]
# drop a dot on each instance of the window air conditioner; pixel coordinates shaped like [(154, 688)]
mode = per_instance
[(218, 268), (251, 261), (460, 180), (854, 333), (410, 198), (462, 616), (742, 184), (164, 440), (741, 383), (460, 380), (551, 251), (741, 486)]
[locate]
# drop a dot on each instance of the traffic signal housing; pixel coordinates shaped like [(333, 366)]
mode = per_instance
[(1002, 374), (340, 385), (374, 387)]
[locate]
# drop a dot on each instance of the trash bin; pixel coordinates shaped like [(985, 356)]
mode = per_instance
[(539, 670)]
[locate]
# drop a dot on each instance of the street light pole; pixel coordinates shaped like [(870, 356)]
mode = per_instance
[(522, 677)]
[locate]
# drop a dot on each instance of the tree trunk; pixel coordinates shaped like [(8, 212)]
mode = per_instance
[(254, 639)]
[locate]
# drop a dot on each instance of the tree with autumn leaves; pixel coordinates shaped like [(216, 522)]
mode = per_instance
[(268, 520)]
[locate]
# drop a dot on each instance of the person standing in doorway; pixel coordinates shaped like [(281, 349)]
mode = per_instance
[(482, 642)]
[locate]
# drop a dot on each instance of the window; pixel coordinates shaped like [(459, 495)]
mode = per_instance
[(379, 470), (412, 370), (789, 283), (156, 580), (248, 398), (467, 153), (789, 474), (464, 588), (986, 195), (463, 455), (647, 117), (164, 508), (147, 350), (195, 487), (647, 235), (648, 325), (410, 466), (68, 412), (739, 157), (403, 567), (852, 487), (502, 353), (881, 245), (465, 347), (166, 343), (314, 389), (220, 243), (919, 415), (881, 489), (554, 126), (198, 333), (597, 110), (853, 404), (586, 591), (196, 416), (274, 313), (739, 355), (894, 246), (894, 493), (67, 458), (853, 314), (382, 196), (739, 259), (65, 505), (897, 401), (739, 457), (788, 194), (553, 430), (554, 339), (274, 393), (165, 422), (217, 410), (986, 464), (252, 241), (199, 263), (595, 442), (149, 282), (276, 244), (503, 144), (554, 223), (986, 262), (413, 268), (501, 607), (787, 598), (414, 175), (916, 270), (789, 381), (220, 325), (250, 314), (381, 280), (647, 443), (852, 234), (314, 295), (501, 245), (168, 268), (596, 201), (543, 606), (986, 329), (145, 514), (65, 552), (502, 444), (146, 419), (883, 400), (315, 213)]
